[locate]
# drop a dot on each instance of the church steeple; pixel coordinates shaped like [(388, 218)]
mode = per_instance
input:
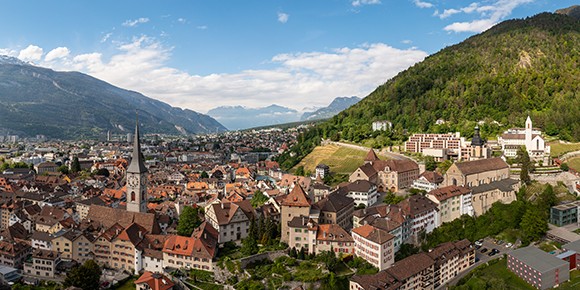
[(136, 178), (137, 165)]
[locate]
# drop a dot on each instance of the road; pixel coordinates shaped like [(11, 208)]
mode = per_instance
[(386, 153), (483, 258)]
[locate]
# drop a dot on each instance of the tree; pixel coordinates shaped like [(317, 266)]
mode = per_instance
[(302, 254), (534, 224), (547, 198), (523, 159), (204, 175), (430, 163), (443, 166), (299, 171), (258, 199), (63, 169), (249, 246), (564, 167), (188, 221), (76, 165), (392, 198), (103, 171), (85, 276)]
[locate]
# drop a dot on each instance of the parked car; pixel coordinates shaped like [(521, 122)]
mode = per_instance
[(508, 245), (499, 242), (491, 253), (483, 250), (479, 243), (495, 251)]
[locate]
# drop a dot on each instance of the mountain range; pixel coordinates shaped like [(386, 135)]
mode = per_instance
[(239, 117), (72, 105), (497, 78)]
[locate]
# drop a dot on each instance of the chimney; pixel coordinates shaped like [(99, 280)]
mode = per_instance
[(222, 205), (205, 236), (140, 235), (117, 232)]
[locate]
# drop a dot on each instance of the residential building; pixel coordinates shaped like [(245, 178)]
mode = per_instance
[(514, 138), (124, 253), (322, 170), (42, 264), (153, 281), (336, 209), (302, 233), (190, 252), (362, 192), (230, 219), (382, 125), (427, 181), (332, 237), (452, 202), (374, 245), (565, 214), (13, 254), (538, 268), (422, 217), (389, 174), (421, 271)]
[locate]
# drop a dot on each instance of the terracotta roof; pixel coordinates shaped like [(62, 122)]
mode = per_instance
[(109, 216), (297, 197), (482, 165), (446, 192), (396, 165), (432, 176), (189, 246), (368, 170), (371, 156), (155, 281), (382, 280), (417, 204), (410, 266), (373, 234), (133, 234), (333, 233), (225, 210), (335, 202)]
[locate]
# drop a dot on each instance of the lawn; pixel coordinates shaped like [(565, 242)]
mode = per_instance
[(340, 159), (127, 285), (557, 148), (206, 285), (494, 276), (574, 163)]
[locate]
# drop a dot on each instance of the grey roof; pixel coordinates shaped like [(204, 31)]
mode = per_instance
[(504, 185), (574, 246), (538, 259), (137, 165)]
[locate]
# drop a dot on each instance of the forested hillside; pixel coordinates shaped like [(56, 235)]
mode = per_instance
[(517, 68)]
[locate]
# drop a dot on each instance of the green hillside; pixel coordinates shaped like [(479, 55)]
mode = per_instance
[(517, 68)]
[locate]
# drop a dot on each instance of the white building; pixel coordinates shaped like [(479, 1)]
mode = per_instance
[(374, 245), (427, 181), (382, 125), (362, 192), (512, 139), (452, 202)]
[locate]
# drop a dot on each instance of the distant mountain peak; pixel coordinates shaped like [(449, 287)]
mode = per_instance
[(572, 11), (336, 106), (5, 59)]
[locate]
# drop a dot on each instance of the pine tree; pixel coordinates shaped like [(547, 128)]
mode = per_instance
[(524, 160)]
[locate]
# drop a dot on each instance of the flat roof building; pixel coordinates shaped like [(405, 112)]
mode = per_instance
[(538, 268)]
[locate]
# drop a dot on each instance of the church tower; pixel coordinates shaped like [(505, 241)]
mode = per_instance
[(136, 178), (529, 128)]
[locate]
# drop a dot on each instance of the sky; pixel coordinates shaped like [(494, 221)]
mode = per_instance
[(203, 54)]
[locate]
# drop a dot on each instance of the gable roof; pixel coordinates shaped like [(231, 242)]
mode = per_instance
[(109, 216), (446, 192), (410, 266), (481, 165), (417, 204), (334, 202), (373, 234), (155, 281), (371, 156), (297, 197), (332, 233)]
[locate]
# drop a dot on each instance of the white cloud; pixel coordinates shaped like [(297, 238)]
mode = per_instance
[(8, 52), (283, 17), (201, 27), (59, 52), (357, 3), (31, 53), (407, 41), (489, 15), (296, 79), (133, 23), (182, 20), (106, 37), (423, 4)]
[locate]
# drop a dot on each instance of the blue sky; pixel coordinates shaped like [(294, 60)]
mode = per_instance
[(203, 54)]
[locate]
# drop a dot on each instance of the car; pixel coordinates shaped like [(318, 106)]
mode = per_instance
[(491, 253), (495, 251), (508, 245), (483, 250), (477, 247), (479, 243), (499, 242)]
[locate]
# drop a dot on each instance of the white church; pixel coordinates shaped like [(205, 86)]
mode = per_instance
[(512, 139)]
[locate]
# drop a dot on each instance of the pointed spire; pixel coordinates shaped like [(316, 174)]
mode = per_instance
[(137, 165), (371, 156)]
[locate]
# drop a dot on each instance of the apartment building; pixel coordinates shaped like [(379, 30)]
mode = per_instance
[(538, 268), (452, 202), (374, 245)]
